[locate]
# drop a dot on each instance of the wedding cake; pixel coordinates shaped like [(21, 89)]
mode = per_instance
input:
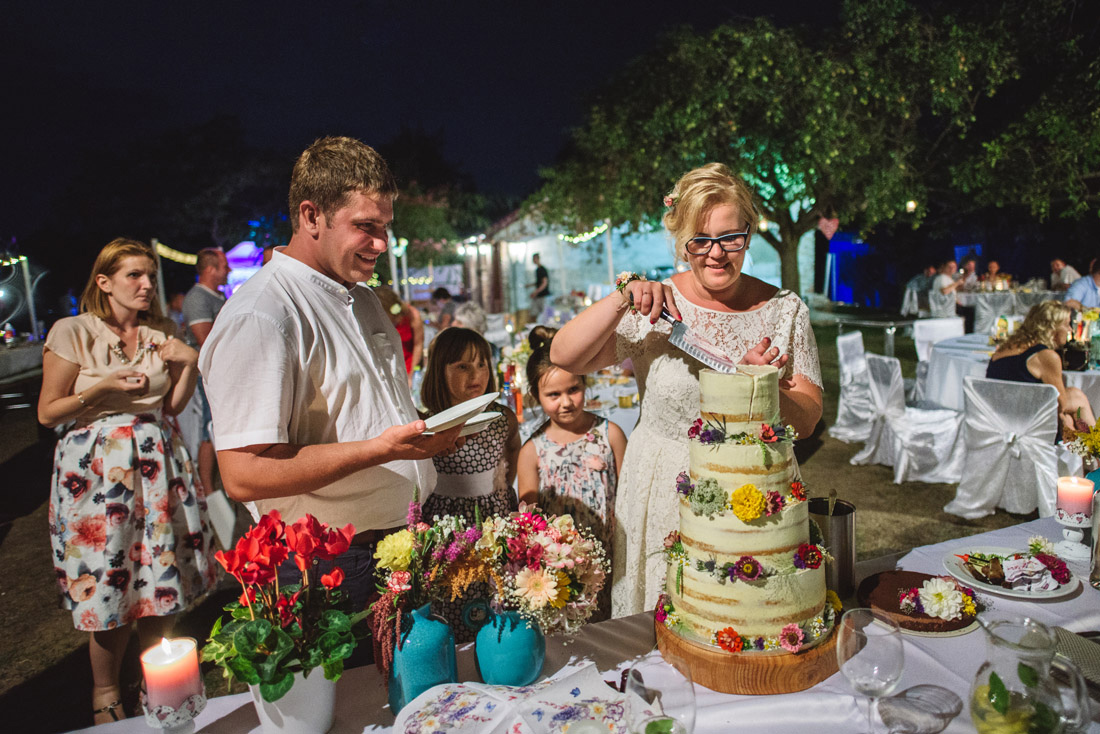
[(745, 573)]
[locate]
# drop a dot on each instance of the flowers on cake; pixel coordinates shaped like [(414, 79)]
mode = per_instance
[(773, 503), (833, 600), (941, 597), (683, 484), (798, 491), (746, 568), (708, 497), (808, 555), (747, 503), (791, 637), (708, 432), (729, 640)]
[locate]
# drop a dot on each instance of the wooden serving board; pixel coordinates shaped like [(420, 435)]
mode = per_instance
[(725, 672)]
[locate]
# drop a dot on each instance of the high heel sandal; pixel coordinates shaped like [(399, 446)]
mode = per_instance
[(111, 709)]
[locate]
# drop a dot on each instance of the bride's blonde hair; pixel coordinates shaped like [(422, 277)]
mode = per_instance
[(696, 193)]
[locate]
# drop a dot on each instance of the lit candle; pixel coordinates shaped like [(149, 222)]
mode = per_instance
[(1075, 495), (171, 672)]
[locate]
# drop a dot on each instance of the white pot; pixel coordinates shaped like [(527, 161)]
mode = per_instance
[(307, 708)]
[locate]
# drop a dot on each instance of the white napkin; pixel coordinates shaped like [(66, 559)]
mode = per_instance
[(548, 707), (1028, 574)]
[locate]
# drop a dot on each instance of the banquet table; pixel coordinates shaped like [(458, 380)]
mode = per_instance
[(968, 356), (830, 706), (988, 305)]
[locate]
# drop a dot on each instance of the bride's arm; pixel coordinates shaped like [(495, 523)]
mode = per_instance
[(800, 404)]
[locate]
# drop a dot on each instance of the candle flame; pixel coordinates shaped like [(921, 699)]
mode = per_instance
[(165, 646)]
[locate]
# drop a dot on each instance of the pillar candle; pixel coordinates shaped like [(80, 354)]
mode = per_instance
[(171, 672), (1075, 495)]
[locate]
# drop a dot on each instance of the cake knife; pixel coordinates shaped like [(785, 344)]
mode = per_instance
[(695, 346)]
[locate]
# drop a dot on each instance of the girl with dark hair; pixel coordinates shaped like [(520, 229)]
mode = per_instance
[(571, 464), (478, 477)]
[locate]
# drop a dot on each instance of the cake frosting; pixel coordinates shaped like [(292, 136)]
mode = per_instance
[(744, 572)]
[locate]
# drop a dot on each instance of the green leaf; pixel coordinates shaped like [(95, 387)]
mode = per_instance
[(251, 635), (1028, 675), (998, 694), (242, 669), (334, 669), (661, 726), (334, 620), (276, 689), (1045, 720)]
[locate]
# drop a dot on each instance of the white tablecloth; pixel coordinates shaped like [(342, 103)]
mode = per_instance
[(968, 356), (20, 359), (613, 646)]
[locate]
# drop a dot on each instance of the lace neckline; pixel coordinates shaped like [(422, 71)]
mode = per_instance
[(680, 294)]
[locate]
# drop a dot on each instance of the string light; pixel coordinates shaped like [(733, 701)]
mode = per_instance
[(175, 255), (12, 261), (910, 206), (581, 238)]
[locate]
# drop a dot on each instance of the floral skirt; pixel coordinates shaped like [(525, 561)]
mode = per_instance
[(128, 528)]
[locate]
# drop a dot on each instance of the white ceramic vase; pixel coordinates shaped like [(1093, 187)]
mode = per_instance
[(309, 707)]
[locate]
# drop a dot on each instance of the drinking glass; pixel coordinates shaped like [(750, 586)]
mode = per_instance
[(660, 699), (869, 651)]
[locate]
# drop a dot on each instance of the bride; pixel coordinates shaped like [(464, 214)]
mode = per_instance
[(711, 220)]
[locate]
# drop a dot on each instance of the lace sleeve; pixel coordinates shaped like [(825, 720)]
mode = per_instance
[(803, 347)]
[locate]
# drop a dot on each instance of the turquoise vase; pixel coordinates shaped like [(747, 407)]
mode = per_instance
[(510, 652), (1094, 476), (424, 658)]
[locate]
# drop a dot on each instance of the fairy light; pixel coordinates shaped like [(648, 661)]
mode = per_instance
[(12, 261), (581, 238), (175, 255), (910, 206)]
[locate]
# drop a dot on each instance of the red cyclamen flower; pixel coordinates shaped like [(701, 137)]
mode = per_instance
[(334, 579)]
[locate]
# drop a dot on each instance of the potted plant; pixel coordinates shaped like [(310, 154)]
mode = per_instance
[(546, 574), (414, 649), (278, 636)]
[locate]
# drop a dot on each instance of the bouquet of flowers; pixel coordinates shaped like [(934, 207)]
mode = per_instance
[(1085, 444), (275, 632), (543, 567), (415, 565)]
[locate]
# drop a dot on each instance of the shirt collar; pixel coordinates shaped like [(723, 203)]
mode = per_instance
[(298, 269)]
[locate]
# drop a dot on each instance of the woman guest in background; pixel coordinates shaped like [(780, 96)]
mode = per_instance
[(475, 481), (711, 219), (410, 327), (1030, 355), (128, 523)]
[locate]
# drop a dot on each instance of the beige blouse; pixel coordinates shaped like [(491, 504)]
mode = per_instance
[(86, 341)]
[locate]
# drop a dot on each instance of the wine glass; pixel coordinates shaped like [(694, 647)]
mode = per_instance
[(659, 698), (869, 651)]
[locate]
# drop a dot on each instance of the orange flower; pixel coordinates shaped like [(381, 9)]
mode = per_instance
[(729, 640)]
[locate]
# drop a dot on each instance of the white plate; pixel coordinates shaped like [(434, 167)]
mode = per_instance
[(460, 413), (478, 423), (957, 568)]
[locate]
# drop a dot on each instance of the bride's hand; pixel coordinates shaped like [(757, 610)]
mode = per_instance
[(649, 296), (765, 353)]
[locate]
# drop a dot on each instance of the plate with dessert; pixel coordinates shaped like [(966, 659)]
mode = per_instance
[(920, 603), (1022, 574)]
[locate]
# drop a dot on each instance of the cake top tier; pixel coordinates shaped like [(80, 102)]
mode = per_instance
[(749, 396)]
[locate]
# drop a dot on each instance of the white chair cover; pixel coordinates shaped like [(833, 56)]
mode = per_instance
[(988, 306), (855, 409), (927, 332), (910, 302), (920, 444), (942, 305), (1012, 461)]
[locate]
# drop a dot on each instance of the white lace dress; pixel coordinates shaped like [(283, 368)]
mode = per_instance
[(668, 380)]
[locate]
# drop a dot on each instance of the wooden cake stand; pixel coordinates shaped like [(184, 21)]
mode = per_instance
[(726, 672)]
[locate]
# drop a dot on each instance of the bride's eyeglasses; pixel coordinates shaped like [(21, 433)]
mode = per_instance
[(732, 242)]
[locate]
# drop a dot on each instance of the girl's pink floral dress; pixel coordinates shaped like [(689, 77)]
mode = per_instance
[(128, 527), (579, 479)]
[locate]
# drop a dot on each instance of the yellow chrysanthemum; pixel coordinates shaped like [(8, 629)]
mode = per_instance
[(968, 606), (1090, 314), (558, 602), (394, 551), (833, 600), (747, 503)]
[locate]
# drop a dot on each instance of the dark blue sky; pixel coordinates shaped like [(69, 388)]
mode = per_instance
[(503, 81)]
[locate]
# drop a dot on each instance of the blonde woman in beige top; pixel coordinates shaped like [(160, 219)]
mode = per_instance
[(128, 527)]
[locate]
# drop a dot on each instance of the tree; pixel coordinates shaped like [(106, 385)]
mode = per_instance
[(853, 123)]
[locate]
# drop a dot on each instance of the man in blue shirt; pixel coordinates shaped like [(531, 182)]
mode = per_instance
[(1085, 292)]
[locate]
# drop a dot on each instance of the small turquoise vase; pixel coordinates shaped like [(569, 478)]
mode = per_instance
[(1094, 476), (510, 651), (424, 658)]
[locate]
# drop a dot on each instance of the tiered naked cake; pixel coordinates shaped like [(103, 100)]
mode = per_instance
[(746, 604)]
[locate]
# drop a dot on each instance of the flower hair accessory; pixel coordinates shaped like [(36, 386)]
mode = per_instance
[(670, 202)]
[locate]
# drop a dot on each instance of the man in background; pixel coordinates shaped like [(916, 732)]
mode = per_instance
[(541, 289), (1062, 276), (1085, 292), (200, 307), (445, 308)]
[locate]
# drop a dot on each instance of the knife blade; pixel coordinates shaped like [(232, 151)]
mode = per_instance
[(695, 346)]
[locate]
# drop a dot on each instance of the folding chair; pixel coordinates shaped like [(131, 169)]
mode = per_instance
[(1011, 458), (920, 444), (855, 409)]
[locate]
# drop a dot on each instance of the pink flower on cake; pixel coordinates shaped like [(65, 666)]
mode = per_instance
[(659, 614), (672, 539), (791, 637), (773, 503), (697, 426), (729, 640), (747, 568)]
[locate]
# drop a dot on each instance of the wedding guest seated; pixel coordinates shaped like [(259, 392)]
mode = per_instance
[(1062, 276), (921, 283), (1031, 355), (942, 299), (1085, 292), (992, 271)]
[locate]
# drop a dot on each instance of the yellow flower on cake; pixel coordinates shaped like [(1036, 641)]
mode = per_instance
[(968, 606), (395, 550), (537, 587), (747, 503), (833, 600)]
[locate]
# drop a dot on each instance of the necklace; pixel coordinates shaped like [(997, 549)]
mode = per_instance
[(116, 349)]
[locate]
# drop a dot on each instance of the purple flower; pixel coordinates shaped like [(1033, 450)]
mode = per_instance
[(683, 483), (454, 550), (747, 568), (414, 514), (758, 643), (472, 535), (709, 565)]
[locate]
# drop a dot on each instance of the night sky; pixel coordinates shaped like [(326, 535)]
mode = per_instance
[(502, 81)]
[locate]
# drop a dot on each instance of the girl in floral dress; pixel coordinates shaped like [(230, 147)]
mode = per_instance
[(128, 527), (571, 464), (475, 481)]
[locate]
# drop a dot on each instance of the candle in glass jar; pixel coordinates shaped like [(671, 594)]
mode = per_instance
[(1075, 495), (171, 672)]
